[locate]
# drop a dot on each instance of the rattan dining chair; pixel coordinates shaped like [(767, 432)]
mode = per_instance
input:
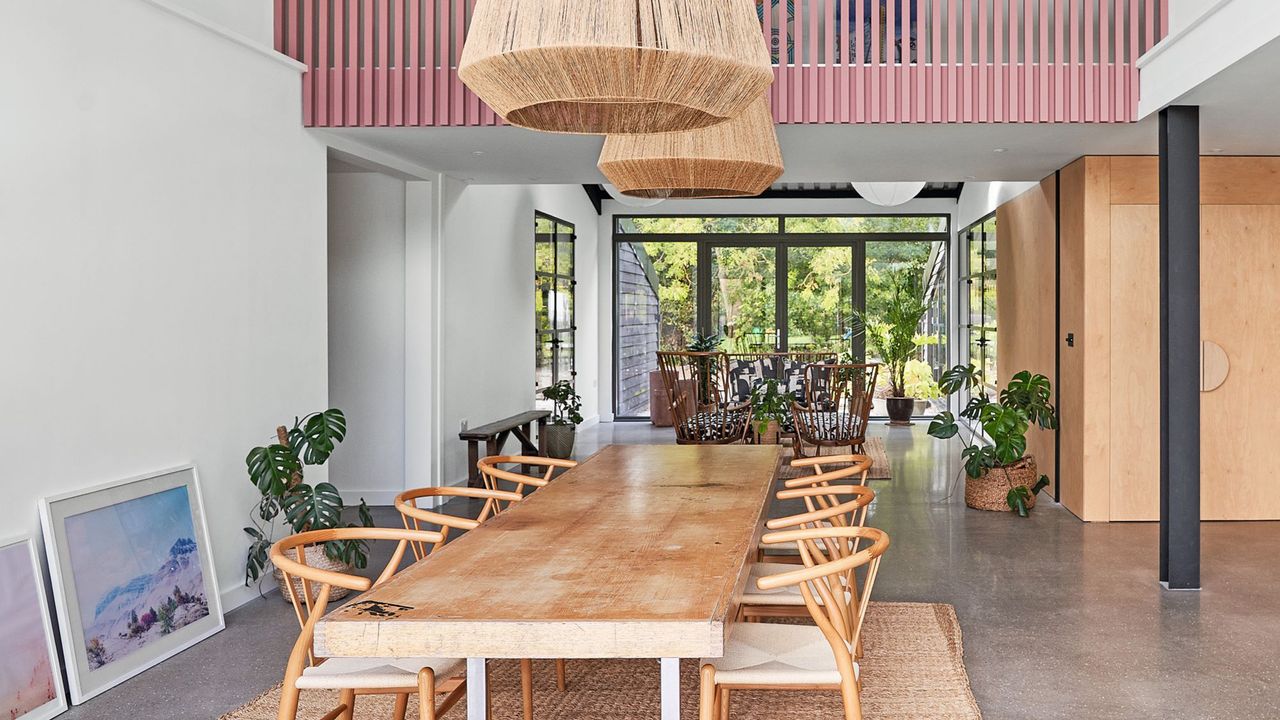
[(852, 469), (309, 588), (836, 407), (827, 506), (697, 390), (494, 476), (772, 656)]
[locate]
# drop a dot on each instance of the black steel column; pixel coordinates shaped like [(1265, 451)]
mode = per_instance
[(1180, 347)]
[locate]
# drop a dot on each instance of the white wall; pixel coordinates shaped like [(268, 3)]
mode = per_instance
[(162, 275), (979, 199), (1183, 12), (367, 331), (487, 334)]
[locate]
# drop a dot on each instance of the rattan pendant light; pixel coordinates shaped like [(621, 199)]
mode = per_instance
[(615, 66), (733, 159)]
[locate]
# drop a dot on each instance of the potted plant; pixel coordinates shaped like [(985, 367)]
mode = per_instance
[(771, 410), (894, 339), (277, 471), (921, 385), (565, 417), (1000, 475)]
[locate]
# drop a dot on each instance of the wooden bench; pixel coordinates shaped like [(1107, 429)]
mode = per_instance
[(495, 434)]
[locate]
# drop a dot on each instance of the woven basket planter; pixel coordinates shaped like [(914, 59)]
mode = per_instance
[(737, 158), (991, 491), (316, 558), (615, 66)]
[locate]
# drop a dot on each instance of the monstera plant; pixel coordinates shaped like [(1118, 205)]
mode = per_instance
[(1000, 473), (277, 471)]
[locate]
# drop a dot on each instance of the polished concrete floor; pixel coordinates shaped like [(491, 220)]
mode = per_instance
[(1061, 619)]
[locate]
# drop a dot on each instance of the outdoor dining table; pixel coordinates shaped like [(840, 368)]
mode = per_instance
[(639, 552)]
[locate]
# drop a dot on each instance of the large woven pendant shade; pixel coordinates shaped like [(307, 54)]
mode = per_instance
[(735, 158), (615, 66)]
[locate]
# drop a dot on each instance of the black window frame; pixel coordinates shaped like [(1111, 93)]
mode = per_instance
[(556, 335)]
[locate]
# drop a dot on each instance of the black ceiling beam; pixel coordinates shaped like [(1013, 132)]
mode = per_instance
[(850, 194), (596, 193)]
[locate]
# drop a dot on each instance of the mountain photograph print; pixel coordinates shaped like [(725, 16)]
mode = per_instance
[(30, 686), (133, 574), (137, 573)]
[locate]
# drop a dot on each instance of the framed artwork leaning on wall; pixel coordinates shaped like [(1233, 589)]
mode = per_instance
[(132, 574), (30, 681)]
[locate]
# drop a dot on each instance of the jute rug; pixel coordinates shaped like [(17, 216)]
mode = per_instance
[(874, 447), (912, 669)]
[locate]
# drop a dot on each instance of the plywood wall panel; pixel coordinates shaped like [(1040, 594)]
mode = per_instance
[(1135, 362), (1026, 256), (1135, 180), (1096, 340), (1071, 365), (1240, 294)]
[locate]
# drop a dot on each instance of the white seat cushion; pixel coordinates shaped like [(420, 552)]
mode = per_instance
[(769, 654), (373, 673), (787, 595)]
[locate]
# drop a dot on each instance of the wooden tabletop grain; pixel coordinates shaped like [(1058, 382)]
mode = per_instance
[(640, 551)]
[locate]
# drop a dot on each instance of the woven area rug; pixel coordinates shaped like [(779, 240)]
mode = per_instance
[(880, 470), (913, 669)]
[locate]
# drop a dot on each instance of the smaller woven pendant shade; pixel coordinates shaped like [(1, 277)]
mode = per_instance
[(737, 158), (615, 66)]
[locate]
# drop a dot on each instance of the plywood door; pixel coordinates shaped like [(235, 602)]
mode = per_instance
[(1027, 262), (1071, 364), (1135, 362), (1240, 294)]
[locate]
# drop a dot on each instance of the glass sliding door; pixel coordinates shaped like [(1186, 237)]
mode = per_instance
[(744, 301), (820, 298), (769, 283)]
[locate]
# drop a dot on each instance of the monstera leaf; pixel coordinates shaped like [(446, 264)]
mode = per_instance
[(313, 508), (272, 468), (944, 426), (320, 434)]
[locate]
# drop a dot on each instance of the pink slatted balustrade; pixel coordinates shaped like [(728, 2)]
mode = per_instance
[(394, 62)]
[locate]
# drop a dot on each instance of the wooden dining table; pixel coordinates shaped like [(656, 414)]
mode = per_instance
[(642, 551)]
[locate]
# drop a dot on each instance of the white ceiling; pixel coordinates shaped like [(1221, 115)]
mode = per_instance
[(1240, 108)]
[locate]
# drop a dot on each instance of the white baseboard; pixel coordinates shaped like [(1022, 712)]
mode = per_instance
[(593, 420), (234, 597), (372, 497)]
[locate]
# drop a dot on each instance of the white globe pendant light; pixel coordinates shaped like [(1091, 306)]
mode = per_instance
[(628, 200), (888, 194)]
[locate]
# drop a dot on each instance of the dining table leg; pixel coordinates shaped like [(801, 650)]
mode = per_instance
[(670, 688), (477, 690)]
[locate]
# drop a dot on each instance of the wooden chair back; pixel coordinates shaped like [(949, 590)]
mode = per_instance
[(831, 556), (854, 466), (310, 597), (697, 389), (413, 516), (828, 506), (837, 404), (494, 476)]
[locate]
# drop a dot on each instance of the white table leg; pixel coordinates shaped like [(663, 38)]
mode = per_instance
[(477, 697), (670, 689)]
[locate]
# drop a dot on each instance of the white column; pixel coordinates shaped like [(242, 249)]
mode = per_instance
[(477, 697)]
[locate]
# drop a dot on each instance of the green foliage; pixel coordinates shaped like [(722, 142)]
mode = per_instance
[(277, 471), (893, 337), (704, 343), (769, 404), (1024, 402), (919, 381), (568, 404)]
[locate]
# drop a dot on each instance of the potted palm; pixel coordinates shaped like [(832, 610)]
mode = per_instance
[(893, 338), (277, 471), (566, 415), (1000, 475)]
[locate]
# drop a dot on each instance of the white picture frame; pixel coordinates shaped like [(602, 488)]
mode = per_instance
[(136, 621), (24, 612)]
